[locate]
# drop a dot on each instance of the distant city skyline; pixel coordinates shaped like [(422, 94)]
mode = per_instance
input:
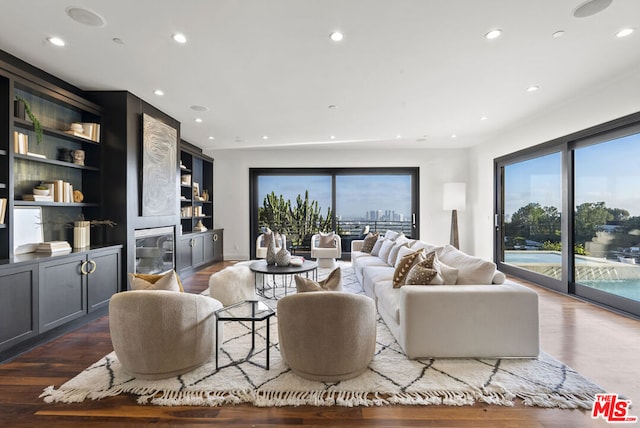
[(357, 195)]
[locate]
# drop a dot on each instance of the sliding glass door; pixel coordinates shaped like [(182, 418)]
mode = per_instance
[(568, 214), (531, 235), (607, 218)]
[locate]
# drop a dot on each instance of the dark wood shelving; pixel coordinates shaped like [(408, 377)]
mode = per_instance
[(22, 123), (54, 204), (55, 162)]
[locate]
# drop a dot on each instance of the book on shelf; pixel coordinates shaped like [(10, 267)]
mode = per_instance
[(90, 131), (53, 247), (3, 209), (45, 198), (20, 143), (36, 155)]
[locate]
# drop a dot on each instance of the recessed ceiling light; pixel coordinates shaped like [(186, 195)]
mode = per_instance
[(484, 118), (557, 34), (159, 92), (624, 32), (454, 136), (198, 120), (333, 137), (590, 8), (398, 136), (179, 37), (57, 41), (533, 88), (493, 34), (265, 137), (199, 108), (211, 137), (336, 36), (85, 16)]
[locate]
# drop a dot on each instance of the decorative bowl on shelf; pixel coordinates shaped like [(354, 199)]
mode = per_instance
[(40, 191)]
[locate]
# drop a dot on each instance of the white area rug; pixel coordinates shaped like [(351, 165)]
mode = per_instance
[(391, 378)]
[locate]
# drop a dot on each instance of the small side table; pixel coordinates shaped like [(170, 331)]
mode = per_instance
[(249, 310)]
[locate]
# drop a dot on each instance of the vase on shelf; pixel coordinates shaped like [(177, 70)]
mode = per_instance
[(81, 234)]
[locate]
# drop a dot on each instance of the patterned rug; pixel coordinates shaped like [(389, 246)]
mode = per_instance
[(390, 379)]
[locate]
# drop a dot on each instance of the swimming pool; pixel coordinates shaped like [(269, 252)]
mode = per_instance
[(629, 288), (546, 257)]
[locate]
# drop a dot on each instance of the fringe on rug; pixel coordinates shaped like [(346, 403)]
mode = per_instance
[(322, 398)]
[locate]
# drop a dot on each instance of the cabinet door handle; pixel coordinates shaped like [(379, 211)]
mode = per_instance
[(83, 271), (215, 237), (93, 266), (192, 242)]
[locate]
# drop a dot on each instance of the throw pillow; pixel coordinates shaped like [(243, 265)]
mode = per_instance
[(376, 247), (471, 270), (387, 245), (393, 254), (449, 274), (390, 234), (333, 282), (403, 267), (369, 242), (169, 281), (421, 273), (327, 241)]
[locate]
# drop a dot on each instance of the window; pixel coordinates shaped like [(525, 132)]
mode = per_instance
[(531, 233), (607, 217), (592, 248), (346, 200)]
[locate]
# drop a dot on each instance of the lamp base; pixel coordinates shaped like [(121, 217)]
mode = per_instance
[(453, 240)]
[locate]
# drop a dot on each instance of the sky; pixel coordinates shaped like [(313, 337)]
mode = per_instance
[(356, 194), (608, 172)]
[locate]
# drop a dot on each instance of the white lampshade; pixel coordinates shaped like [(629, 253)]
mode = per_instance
[(453, 196)]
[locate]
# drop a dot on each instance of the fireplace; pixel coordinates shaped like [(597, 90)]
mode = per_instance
[(154, 250)]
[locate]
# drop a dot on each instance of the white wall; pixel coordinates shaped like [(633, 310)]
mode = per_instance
[(610, 100), (231, 196)]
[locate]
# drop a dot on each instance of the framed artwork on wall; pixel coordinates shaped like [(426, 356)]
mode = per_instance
[(159, 167)]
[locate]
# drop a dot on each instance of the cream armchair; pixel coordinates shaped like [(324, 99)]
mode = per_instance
[(327, 335), (326, 249), (261, 245), (158, 334)]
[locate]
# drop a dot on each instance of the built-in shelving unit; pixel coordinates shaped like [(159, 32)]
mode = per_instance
[(43, 294)]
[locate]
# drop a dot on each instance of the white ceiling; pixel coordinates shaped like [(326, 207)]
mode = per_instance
[(419, 69)]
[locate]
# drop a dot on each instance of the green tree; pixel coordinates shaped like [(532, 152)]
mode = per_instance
[(274, 213), (535, 222), (588, 217)]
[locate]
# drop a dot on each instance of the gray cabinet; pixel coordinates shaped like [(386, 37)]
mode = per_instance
[(75, 285), (195, 250), (218, 245), (18, 304)]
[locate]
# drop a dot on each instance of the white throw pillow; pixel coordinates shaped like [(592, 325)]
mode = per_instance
[(448, 274), (387, 245), (403, 251), (392, 235), (376, 247), (393, 254), (471, 270)]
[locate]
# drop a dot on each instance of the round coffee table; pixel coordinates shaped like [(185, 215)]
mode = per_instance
[(286, 272)]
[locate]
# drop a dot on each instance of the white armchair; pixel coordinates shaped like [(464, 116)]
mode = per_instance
[(326, 249), (261, 245)]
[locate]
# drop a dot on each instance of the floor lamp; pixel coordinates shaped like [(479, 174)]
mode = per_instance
[(453, 198)]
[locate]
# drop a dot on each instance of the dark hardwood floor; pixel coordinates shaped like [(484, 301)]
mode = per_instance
[(600, 344)]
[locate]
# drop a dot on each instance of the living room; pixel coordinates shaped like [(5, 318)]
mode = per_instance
[(469, 158)]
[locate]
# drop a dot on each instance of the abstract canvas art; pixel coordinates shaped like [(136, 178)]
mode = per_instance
[(159, 173)]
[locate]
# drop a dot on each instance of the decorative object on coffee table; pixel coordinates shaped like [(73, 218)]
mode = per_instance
[(271, 248), (283, 257)]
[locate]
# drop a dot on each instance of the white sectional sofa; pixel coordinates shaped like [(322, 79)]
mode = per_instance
[(475, 313)]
